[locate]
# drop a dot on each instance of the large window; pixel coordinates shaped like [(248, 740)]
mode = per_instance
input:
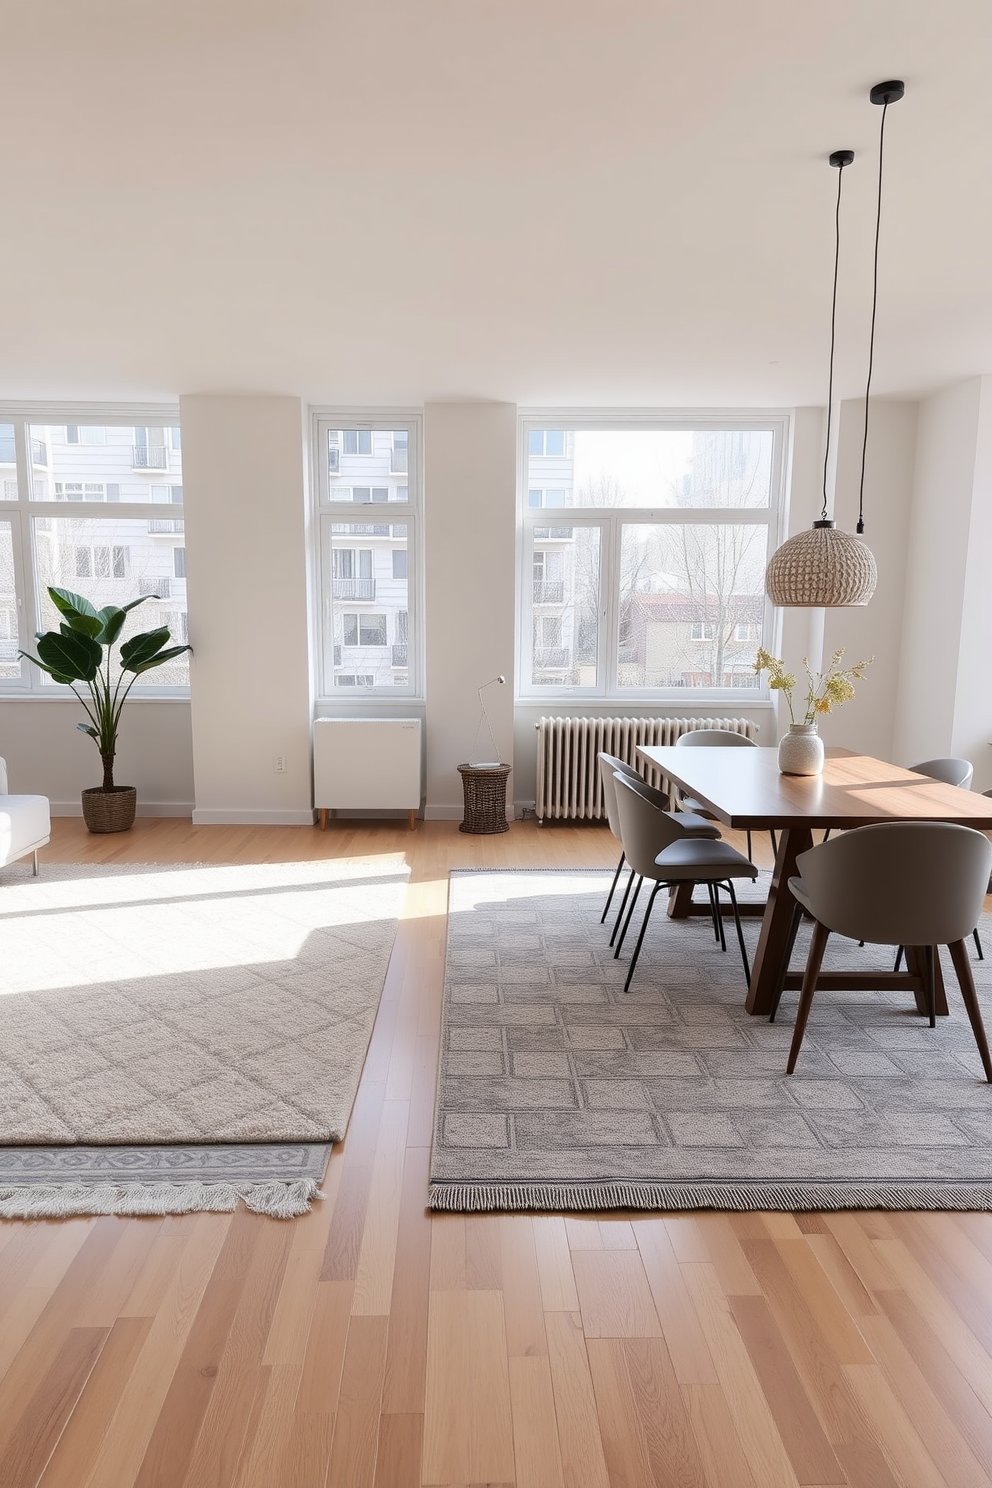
[(81, 509), (366, 475), (656, 584)]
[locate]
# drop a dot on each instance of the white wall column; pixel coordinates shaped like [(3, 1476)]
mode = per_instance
[(943, 582), (470, 510), (245, 502)]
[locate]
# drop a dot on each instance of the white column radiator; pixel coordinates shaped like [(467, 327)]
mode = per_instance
[(568, 783)]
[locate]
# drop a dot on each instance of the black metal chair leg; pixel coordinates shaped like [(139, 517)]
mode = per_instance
[(630, 916), (749, 857), (623, 905), (740, 932), (714, 912), (790, 945), (978, 944), (898, 959), (616, 880), (640, 938)]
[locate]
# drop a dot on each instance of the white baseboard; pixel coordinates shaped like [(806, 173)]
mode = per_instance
[(236, 817), (145, 808)]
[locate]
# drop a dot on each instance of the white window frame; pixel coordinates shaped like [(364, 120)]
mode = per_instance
[(328, 513), (23, 510), (611, 522)]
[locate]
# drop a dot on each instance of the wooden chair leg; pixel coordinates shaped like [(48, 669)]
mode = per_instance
[(959, 956), (814, 961)]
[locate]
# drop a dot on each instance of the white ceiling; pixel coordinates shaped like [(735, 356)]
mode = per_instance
[(543, 201)]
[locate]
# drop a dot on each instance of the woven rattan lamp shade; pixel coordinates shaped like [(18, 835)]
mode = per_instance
[(824, 567)]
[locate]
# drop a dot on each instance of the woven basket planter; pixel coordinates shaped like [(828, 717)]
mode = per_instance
[(484, 788), (109, 811)]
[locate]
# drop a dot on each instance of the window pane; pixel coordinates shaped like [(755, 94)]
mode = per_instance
[(365, 465), (111, 561), (653, 468), (566, 607), (369, 606), (96, 463), (8, 464), (10, 666), (691, 604)]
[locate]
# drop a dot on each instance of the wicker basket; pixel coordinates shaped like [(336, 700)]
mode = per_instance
[(485, 798), (109, 811)]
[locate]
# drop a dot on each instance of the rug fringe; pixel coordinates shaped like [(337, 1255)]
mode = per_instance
[(60, 1200), (786, 1197)]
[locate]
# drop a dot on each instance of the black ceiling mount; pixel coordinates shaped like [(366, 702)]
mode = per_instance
[(840, 158), (890, 92)]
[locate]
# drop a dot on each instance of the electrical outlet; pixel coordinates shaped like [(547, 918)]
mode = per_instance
[(279, 764)]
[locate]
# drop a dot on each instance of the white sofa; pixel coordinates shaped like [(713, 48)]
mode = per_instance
[(25, 823)]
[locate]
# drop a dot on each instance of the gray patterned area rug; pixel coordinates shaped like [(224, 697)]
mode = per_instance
[(184, 1038), (557, 1091)]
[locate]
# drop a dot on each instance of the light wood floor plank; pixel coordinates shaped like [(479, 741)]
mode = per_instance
[(468, 1435), (325, 1334)]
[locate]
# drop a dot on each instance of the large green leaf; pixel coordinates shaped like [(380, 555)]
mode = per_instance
[(79, 614), (70, 657), (144, 651)]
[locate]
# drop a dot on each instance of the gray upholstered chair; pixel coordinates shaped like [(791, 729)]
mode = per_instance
[(919, 884), (696, 826), (658, 848), (716, 738), (950, 770)]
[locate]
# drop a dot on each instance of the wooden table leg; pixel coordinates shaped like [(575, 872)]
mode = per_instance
[(775, 922), (914, 964)]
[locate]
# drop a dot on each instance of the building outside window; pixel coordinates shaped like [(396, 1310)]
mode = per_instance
[(58, 477), (656, 585), (366, 474)]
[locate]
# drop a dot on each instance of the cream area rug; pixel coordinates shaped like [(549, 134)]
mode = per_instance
[(558, 1091), (184, 1037)]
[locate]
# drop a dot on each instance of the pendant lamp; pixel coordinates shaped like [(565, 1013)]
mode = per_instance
[(827, 567)]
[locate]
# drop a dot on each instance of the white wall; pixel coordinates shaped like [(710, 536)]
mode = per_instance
[(867, 722), (47, 755), (936, 573), (246, 505), (470, 517), (971, 734)]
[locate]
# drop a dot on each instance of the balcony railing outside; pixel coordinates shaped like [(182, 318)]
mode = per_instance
[(333, 461), (361, 529), (549, 591), (149, 457), (8, 452), (399, 461), (554, 533), (166, 524), (400, 653), (353, 588)]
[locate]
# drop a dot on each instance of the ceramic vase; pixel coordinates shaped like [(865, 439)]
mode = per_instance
[(800, 752)]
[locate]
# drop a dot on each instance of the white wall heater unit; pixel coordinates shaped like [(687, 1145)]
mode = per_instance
[(568, 783), (366, 764)]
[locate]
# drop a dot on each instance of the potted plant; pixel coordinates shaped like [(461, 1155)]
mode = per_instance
[(81, 651)]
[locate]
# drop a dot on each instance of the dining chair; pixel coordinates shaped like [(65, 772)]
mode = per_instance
[(914, 883), (716, 738), (952, 771), (658, 848), (696, 826)]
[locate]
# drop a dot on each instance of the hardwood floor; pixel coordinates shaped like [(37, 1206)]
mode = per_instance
[(367, 1345)]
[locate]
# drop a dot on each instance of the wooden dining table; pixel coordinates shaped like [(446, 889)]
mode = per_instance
[(744, 789)]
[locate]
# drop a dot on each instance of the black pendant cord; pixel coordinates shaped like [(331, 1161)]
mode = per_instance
[(871, 339), (840, 163)]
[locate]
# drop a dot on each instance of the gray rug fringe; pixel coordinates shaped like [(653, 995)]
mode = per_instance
[(480, 1197), (60, 1200)]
